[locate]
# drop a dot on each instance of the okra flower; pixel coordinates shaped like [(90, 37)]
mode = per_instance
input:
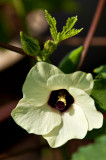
[(57, 106)]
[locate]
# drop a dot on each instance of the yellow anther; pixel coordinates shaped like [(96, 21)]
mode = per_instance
[(62, 97)]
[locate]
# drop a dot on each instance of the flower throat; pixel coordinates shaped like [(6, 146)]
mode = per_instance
[(60, 99)]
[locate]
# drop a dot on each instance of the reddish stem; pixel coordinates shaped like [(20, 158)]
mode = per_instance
[(14, 49), (92, 29)]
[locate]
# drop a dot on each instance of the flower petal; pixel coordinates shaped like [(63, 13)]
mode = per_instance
[(35, 88), (38, 120), (77, 80), (74, 125), (94, 117), (83, 81)]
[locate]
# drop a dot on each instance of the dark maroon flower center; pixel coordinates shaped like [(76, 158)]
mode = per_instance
[(60, 105), (60, 99)]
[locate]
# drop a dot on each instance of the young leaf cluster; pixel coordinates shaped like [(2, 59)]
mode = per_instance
[(31, 45), (68, 30)]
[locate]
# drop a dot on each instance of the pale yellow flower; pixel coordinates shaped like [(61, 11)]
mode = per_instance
[(57, 106)]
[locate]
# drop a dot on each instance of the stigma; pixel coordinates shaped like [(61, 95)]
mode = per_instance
[(61, 102)]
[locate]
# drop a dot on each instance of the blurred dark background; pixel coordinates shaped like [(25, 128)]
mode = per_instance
[(28, 16)]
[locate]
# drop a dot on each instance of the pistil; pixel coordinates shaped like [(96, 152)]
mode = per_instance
[(61, 102)]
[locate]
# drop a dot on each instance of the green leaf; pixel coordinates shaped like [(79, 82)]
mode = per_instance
[(92, 151), (103, 75), (69, 24), (67, 30), (52, 22), (100, 69), (30, 45), (71, 33), (99, 92), (70, 62), (96, 132)]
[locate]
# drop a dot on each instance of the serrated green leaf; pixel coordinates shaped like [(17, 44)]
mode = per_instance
[(52, 22), (30, 45), (99, 92), (96, 132), (69, 24), (67, 30), (58, 37), (71, 33), (96, 151), (70, 62)]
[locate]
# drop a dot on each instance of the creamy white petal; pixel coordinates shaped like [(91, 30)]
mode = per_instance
[(83, 81), (59, 81), (35, 88), (94, 117), (38, 120), (47, 70), (73, 126), (77, 80)]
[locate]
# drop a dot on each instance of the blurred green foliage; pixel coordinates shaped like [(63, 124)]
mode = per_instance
[(71, 61), (22, 7), (64, 5), (99, 90), (101, 69), (92, 151), (4, 29), (99, 93)]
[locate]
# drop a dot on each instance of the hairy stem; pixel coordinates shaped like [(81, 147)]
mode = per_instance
[(92, 29)]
